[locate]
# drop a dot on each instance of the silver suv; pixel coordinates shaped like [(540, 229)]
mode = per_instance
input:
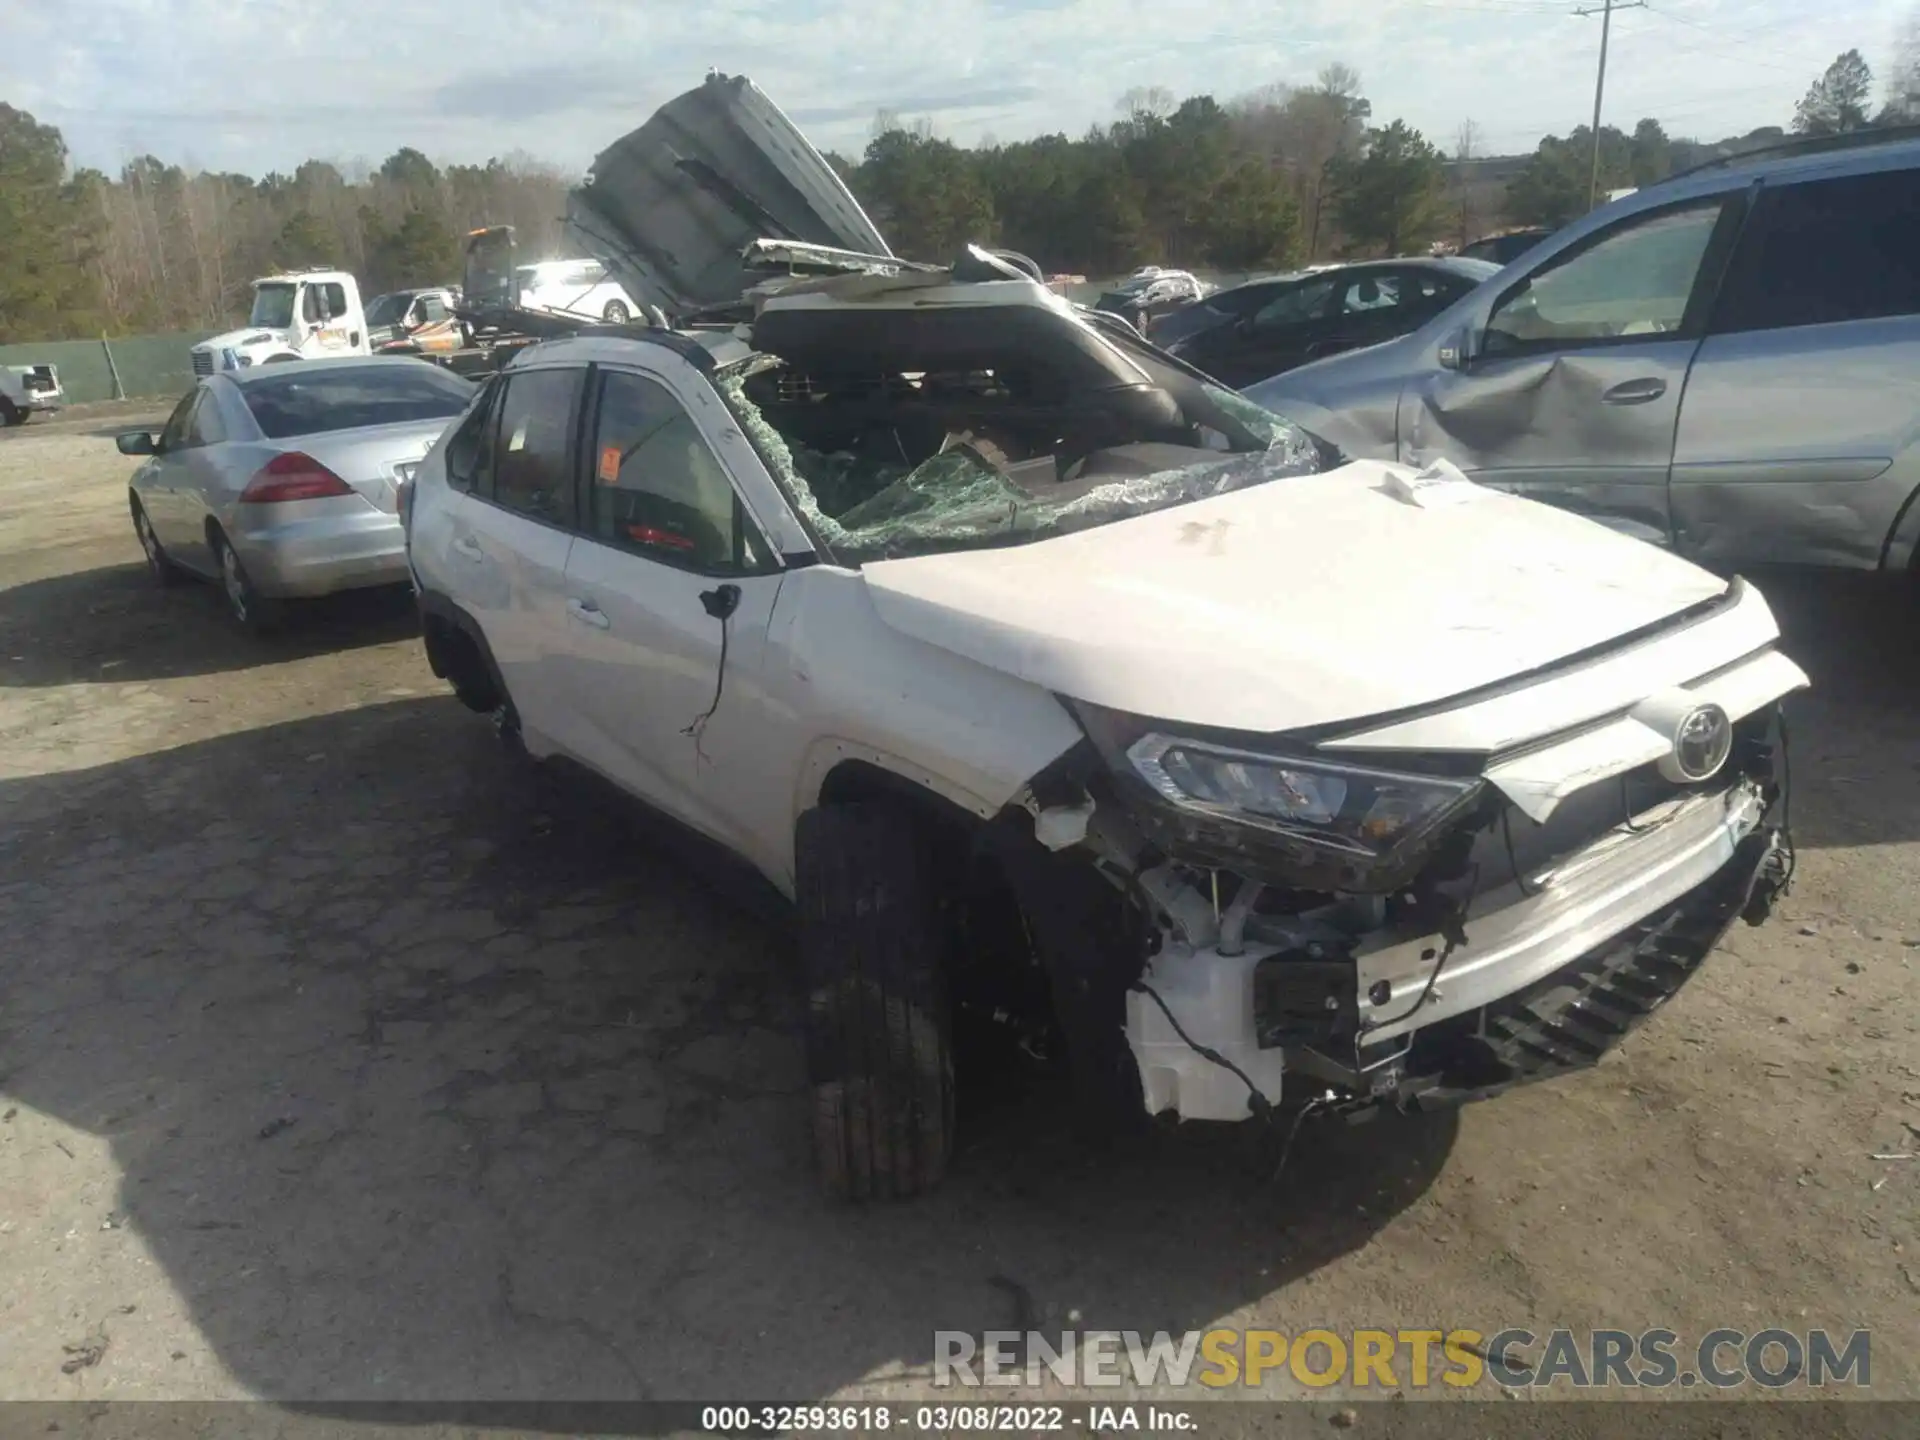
[(1725, 363), (1055, 684)]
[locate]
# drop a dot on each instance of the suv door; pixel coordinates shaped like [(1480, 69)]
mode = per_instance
[(669, 591), (1570, 392), (509, 515), (1799, 439)]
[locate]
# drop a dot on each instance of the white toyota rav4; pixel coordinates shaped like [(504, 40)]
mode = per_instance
[(1055, 682)]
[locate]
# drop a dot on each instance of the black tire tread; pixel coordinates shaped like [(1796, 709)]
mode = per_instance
[(872, 949)]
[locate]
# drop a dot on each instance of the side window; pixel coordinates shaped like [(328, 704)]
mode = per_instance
[(470, 451), (533, 447), (1291, 307), (206, 427), (432, 309), (1636, 279), (657, 488), (310, 304), (1827, 251), (1370, 293), (336, 299), (174, 436)]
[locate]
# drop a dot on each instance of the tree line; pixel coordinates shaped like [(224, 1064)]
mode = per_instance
[(1275, 177)]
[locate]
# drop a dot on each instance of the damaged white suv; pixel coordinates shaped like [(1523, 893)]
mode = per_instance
[(1053, 681)]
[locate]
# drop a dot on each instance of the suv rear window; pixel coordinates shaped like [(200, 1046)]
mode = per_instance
[(311, 402), (1826, 251)]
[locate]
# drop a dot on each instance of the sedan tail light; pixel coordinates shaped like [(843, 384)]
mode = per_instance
[(293, 476)]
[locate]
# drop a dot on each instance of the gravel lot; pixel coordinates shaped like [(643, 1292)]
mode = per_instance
[(343, 1060)]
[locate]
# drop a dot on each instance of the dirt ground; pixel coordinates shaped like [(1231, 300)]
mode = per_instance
[(342, 1060)]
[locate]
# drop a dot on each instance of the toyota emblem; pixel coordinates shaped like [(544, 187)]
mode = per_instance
[(1701, 742)]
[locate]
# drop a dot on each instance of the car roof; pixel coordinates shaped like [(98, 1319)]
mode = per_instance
[(1469, 268), (254, 374), (705, 349)]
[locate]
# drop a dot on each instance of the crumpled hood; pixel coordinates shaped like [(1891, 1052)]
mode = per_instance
[(1304, 601), (670, 207)]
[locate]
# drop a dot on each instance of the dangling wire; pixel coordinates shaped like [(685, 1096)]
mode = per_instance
[(698, 726)]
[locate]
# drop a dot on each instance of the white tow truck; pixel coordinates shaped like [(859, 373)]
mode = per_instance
[(301, 315)]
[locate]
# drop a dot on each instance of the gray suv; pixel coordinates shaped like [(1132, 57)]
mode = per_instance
[(1727, 363)]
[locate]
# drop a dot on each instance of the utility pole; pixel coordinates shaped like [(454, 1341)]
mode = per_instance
[(1600, 84)]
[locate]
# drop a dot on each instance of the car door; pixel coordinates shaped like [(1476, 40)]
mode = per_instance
[(1570, 391), (509, 526), (200, 486), (1374, 306), (158, 481), (1274, 338), (1799, 438), (669, 591)]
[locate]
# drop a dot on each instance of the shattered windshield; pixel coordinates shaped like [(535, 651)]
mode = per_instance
[(272, 306), (974, 490)]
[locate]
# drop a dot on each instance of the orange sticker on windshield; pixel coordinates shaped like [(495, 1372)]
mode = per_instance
[(609, 464)]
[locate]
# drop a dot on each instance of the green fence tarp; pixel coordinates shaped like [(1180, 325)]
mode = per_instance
[(149, 365)]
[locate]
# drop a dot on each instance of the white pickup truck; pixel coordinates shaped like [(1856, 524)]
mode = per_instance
[(297, 316), (27, 390)]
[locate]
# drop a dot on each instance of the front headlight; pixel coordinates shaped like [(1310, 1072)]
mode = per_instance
[(1308, 821), (1354, 808)]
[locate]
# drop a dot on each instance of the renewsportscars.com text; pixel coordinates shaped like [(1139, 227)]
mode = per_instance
[(1408, 1359)]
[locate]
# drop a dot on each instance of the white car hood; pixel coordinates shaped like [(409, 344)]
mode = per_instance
[(242, 338), (671, 207), (1300, 602)]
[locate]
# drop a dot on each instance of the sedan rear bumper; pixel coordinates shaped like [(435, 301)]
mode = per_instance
[(322, 554)]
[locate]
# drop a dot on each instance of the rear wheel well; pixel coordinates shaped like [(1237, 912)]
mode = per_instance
[(457, 657)]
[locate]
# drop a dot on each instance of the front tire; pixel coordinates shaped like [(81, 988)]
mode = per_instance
[(873, 949), (159, 564), (615, 313), (10, 414), (251, 611)]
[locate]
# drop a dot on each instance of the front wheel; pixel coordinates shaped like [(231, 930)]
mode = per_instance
[(10, 414), (873, 952), (251, 611), (615, 313)]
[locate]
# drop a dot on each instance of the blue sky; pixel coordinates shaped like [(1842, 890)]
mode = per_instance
[(253, 85)]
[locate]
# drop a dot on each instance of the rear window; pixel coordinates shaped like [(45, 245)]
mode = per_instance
[(311, 402)]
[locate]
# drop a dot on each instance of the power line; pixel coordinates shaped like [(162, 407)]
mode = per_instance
[(1600, 85)]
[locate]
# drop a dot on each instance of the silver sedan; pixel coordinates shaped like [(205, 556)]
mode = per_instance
[(282, 481)]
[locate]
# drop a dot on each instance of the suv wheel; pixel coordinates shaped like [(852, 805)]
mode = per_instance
[(879, 1040), (615, 313)]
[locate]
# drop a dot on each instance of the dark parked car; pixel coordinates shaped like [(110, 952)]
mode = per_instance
[(1306, 317), (1503, 249)]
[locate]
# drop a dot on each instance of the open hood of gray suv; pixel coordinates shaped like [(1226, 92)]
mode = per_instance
[(672, 207)]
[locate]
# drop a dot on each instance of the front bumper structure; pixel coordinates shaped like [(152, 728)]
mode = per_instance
[(1552, 974)]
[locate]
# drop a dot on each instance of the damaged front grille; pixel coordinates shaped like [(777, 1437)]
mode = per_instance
[(1519, 848)]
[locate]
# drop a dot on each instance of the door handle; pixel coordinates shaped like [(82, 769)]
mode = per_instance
[(590, 613), (1636, 392), (468, 548)]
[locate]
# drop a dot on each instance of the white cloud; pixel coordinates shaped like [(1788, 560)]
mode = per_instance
[(266, 83)]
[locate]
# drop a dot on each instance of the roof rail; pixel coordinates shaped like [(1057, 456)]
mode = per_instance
[(1805, 145)]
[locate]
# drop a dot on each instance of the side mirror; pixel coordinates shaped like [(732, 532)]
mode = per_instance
[(136, 442), (320, 305), (1456, 348)]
